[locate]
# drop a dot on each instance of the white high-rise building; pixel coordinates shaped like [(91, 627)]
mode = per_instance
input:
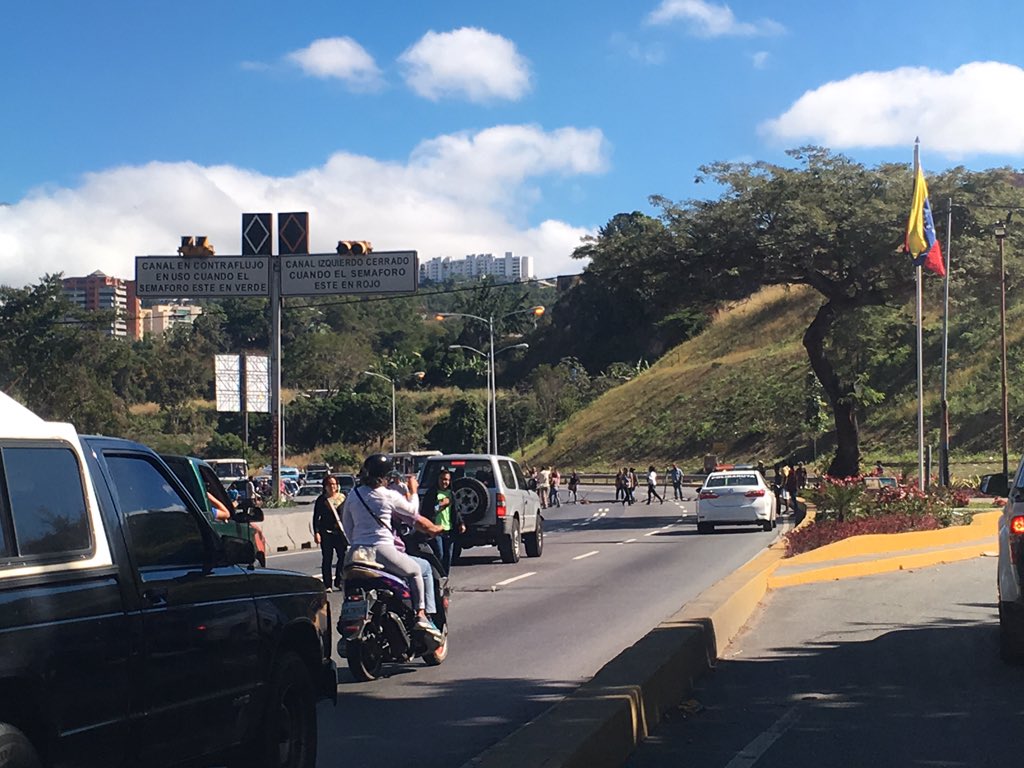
[(474, 266)]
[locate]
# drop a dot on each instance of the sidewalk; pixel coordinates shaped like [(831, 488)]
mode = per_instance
[(602, 722)]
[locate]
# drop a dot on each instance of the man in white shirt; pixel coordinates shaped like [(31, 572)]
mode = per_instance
[(652, 485)]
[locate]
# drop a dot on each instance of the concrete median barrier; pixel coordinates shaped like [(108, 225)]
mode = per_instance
[(287, 529)]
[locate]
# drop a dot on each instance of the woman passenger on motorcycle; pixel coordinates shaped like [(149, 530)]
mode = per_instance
[(367, 519)]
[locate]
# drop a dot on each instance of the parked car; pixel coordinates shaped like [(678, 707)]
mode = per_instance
[(199, 478), (307, 495), (1010, 569), (735, 497), (346, 482), (491, 495), (132, 633)]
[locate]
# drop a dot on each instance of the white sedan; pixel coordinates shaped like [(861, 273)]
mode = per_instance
[(736, 497)]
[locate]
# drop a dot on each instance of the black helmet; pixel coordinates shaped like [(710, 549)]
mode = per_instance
[(377, 466)]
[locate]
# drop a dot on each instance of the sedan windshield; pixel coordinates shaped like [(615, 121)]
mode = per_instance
[(730, 481)]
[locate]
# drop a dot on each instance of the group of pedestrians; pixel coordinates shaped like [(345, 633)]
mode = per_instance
[(547, 482), (787, 482)]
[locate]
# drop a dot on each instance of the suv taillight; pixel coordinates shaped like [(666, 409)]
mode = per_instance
[(1017, 525), (499, 504)]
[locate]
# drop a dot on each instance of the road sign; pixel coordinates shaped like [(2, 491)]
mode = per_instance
[(329, 274), (196, 278)]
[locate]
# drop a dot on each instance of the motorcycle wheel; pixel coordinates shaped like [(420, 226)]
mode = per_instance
[(437, 657), (365, 658)]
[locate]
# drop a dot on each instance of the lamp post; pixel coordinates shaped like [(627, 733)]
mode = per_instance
[(492, 393), (999, 230), (394, 410), (492, 408)]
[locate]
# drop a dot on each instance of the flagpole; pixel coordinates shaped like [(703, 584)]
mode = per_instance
[(920, 351), (944, 457)]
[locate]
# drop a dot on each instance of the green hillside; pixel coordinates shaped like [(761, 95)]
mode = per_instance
[(740, 390)]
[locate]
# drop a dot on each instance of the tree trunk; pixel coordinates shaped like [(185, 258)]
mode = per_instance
[(846, 462)]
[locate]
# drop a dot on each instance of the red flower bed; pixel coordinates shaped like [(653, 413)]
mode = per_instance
[(822, 532)]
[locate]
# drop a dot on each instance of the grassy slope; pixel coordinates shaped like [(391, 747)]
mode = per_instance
[(738, 390)]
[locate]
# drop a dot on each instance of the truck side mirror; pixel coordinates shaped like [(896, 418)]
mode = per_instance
[(248, 513)]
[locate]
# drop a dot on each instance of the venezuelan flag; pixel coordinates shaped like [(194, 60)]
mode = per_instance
[(921, 242)]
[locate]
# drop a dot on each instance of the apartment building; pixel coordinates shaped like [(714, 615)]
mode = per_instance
[(100, 292), (160, 318), (507, 268)]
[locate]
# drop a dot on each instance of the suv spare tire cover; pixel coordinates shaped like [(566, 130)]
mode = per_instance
[(471, 499)]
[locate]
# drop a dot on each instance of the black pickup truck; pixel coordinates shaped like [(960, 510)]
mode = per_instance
[(131, 633)]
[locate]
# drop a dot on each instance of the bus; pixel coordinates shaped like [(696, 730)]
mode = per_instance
[(230, 470), (411, 462)]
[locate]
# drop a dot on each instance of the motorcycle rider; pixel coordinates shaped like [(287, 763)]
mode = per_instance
[(367, 519)]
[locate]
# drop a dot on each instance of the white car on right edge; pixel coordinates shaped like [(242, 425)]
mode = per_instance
[(735, 497)]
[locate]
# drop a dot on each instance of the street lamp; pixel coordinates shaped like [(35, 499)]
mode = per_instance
[(492, 419), (492, 392), (999, 230), (394, 411)]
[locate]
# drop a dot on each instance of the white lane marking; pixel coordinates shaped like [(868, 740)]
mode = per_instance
[(295, 552), (506, 582), (651, 533), (629, 541), (753, 752), (588, 554)]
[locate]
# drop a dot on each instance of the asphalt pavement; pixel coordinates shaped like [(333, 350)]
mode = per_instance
[(900, 669)]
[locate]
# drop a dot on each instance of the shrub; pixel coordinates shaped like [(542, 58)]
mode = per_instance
[(822, 532), (839, 498)]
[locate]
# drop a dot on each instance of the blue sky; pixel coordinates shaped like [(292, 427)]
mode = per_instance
[(460, 127)]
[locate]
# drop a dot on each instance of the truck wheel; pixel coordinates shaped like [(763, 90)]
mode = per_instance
[(535, 541), (509, 545), (16, 751), (287, 734), (365, 658), (437, 657)]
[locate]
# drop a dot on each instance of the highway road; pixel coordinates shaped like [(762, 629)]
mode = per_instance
[(524, 635)]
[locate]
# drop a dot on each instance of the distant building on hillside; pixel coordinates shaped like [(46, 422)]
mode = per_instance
[(100, 292), (160, 318), (507, 268)]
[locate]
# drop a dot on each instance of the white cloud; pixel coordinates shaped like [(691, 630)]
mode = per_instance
[(709, 20), (339, 58), (974, 109), (760, 59), (456, 194), (466, 63)]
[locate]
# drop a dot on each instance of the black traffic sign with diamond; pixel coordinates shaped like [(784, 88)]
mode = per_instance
[(292, 233), (256, 234)]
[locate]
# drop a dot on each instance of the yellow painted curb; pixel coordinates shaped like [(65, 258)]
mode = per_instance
[(984, 524)]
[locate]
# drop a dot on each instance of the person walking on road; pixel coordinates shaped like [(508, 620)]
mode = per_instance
[(778, 485), (792, 486), (675, 475), (574, 484), (544, 486), (631, 484), (556, 481), (652, 485), (620, 487), (443, 513), (328, 533)]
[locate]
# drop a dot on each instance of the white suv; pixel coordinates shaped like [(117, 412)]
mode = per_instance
[(490, 494)]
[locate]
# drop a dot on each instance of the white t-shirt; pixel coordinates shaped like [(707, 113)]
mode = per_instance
[(652, 478), (361, 529)]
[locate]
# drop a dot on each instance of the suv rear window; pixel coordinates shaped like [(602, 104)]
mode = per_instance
[(45, 503), (477, 468)]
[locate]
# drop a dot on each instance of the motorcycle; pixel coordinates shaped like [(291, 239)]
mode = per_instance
[(378, 621)]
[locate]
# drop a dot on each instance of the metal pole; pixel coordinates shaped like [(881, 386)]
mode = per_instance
[(394, 421), (920, 352), (275, 378), (944, 449), (494, 389), (243, 389), (1002, 332)]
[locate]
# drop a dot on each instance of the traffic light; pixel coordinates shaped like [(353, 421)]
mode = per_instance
[(354, 247), (195, 245)]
